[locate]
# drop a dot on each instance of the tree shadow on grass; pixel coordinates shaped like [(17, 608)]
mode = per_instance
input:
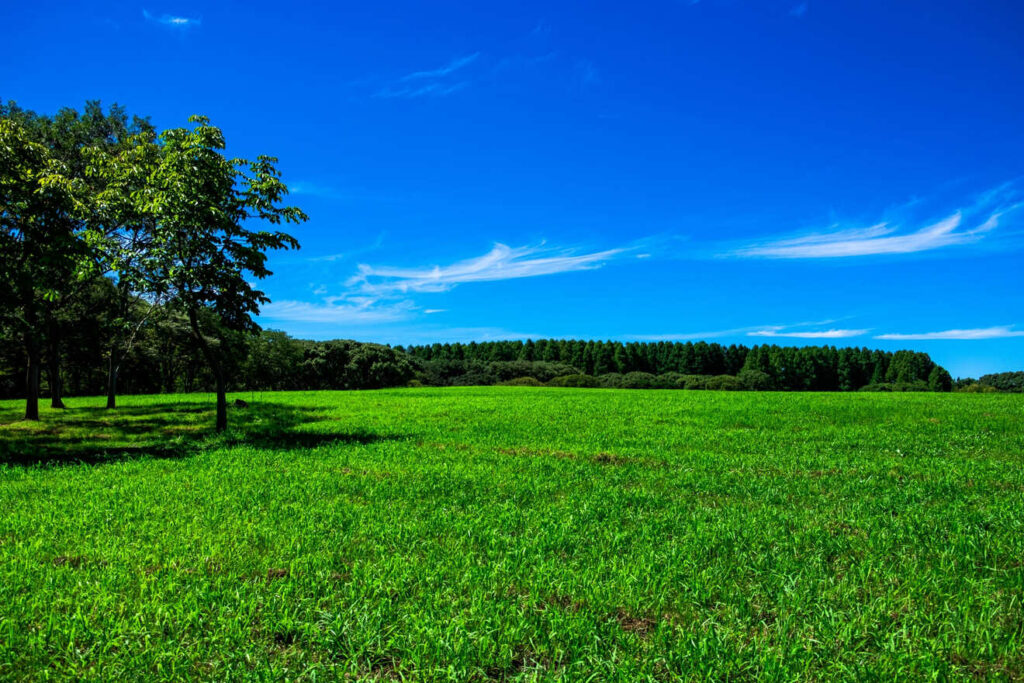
[(168, 430)]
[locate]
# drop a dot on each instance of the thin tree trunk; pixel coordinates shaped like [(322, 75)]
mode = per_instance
[(218, 373), (32, 378), (53, 369), (222, 401), (112, 369), (170, 382), (56, 385)]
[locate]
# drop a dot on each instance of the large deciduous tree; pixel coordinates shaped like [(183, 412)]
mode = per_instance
[(41, 245), (123, 238), (204, 252), (65, 136)]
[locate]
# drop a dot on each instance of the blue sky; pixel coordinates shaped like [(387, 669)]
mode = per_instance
[(750, 171)]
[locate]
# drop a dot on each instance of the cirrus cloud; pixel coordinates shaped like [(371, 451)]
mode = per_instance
[(429, 82), (778, 331), (997, 332), (335, 311), (502, 262), (961, 227), (171, 21)]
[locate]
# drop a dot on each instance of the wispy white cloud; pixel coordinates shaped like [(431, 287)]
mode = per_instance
[(453, 66), (327, 257), (315, 190), (998, 332), (780, 331), (342, 192), (751, 330), (692, 336), (331, 311), (965, 226), (480, 70), (877, 239), (432, 89), (429, 82), (429, 334), (354, 251), (501, 263), (171, 20), (377, 295), (341, 256), (798, 10)]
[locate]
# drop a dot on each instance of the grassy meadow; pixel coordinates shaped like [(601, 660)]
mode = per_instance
[(515, 534)]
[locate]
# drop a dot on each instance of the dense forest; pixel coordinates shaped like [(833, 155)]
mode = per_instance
[(685, 365)]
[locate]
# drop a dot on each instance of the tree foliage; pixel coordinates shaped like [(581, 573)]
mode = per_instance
[(204, 255), (41, 245), (1012, 382), (169, 219)]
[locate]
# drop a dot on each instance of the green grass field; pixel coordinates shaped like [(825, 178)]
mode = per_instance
[(515, 534)]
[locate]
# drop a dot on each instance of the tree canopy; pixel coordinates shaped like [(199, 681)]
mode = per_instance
[(169, 219)]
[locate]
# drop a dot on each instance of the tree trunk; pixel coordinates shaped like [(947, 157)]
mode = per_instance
[(218, 373), (112, 369), (53, 372), (169, 380), (222, 401), (56, 385), (32, 378)]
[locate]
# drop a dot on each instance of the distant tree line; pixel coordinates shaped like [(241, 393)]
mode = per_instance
[(688, 365), (1008, 382), (164, 358)]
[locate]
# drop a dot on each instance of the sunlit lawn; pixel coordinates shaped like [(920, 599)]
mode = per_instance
[(515, 533)]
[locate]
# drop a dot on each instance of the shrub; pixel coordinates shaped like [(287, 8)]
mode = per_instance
[(694, 381), (442, 373), (919, 385), (477, 378), (574, 381), (916, 385), (638, 380), (610, 380), (541, 370), (977, 388), (670, 380), (723, 383), (755, 380), (522, 382)]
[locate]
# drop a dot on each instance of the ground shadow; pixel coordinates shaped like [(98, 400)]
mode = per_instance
[(164, 430)]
